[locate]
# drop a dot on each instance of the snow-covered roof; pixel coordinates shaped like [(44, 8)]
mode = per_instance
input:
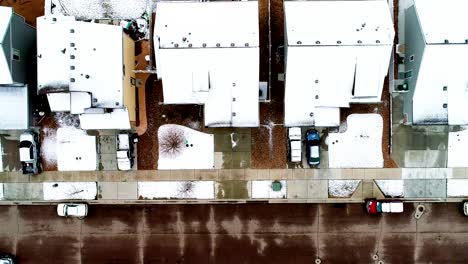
[(80, 57), (14, 98), (360, 146), (207, 24), (215, 64), (338, 23), (76, 151), (442, 98), (117, 119), (326, 39), (97, 9), (443, 20), (5, 17)]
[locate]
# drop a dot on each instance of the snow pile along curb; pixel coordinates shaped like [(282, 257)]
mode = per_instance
[(176, 190)]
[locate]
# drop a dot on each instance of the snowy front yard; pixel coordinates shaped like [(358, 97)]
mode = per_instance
[(176, 190), (184, 148), (360, 146), (70, 190)]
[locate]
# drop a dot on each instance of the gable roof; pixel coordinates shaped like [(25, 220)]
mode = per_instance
[(14, 97), (5, 72), (442, 21), (338, 23), (207, 24), (80, 57)]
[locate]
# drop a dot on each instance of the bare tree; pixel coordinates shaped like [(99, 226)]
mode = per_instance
[(186, 189), (172, 142)]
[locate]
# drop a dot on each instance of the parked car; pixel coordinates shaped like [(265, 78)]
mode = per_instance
[(313, 147), (295, 144), (125, 157), (7, 259), (72, 210), (375, 207), (465, 208), (29, 152)]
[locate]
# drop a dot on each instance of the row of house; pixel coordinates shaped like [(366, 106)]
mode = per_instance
[(337, 53)]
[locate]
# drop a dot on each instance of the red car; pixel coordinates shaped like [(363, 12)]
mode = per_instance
[(377, 207)]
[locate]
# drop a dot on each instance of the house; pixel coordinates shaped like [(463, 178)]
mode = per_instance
[(87, 69), (17, 51), (337, 53), (207, 53), (436, 62)]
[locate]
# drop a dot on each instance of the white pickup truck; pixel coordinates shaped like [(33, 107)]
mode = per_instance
[(295, 144)]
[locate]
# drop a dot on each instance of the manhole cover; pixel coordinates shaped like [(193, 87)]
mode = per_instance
[(276, 186)]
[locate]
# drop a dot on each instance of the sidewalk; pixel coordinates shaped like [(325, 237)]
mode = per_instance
[(240, 174), (300, 185)]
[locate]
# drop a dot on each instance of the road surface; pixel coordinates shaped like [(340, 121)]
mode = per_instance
[(248, 233)]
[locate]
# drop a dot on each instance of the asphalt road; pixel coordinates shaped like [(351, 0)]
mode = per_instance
[(249, 233)]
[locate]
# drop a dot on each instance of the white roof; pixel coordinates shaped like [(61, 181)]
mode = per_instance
[(79, 101), (346, 22), (313, 91), (53, 46), (14, 98), (59, 102), (76, 151), (198, 46), (5, 16), (5, 73), (210, 23), (95, 9), (117, 119), (432, 104), (225, 80), (442, 20), (88, 60)]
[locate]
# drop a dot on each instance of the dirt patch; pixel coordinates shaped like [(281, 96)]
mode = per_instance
[(29, 9), (158, 115), (269, 140)]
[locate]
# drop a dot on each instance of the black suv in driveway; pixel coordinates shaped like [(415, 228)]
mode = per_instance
[(313, 147)]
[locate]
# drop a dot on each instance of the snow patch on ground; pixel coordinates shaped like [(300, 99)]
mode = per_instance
[(70, 190), (1, 157), (457, 149), (342, 188), (360, 146), (49, 142), (95, 9), (195, 152), (76, 151), (176, 190), (2, 197), (264, 190), (391, 188), (457, 187)]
